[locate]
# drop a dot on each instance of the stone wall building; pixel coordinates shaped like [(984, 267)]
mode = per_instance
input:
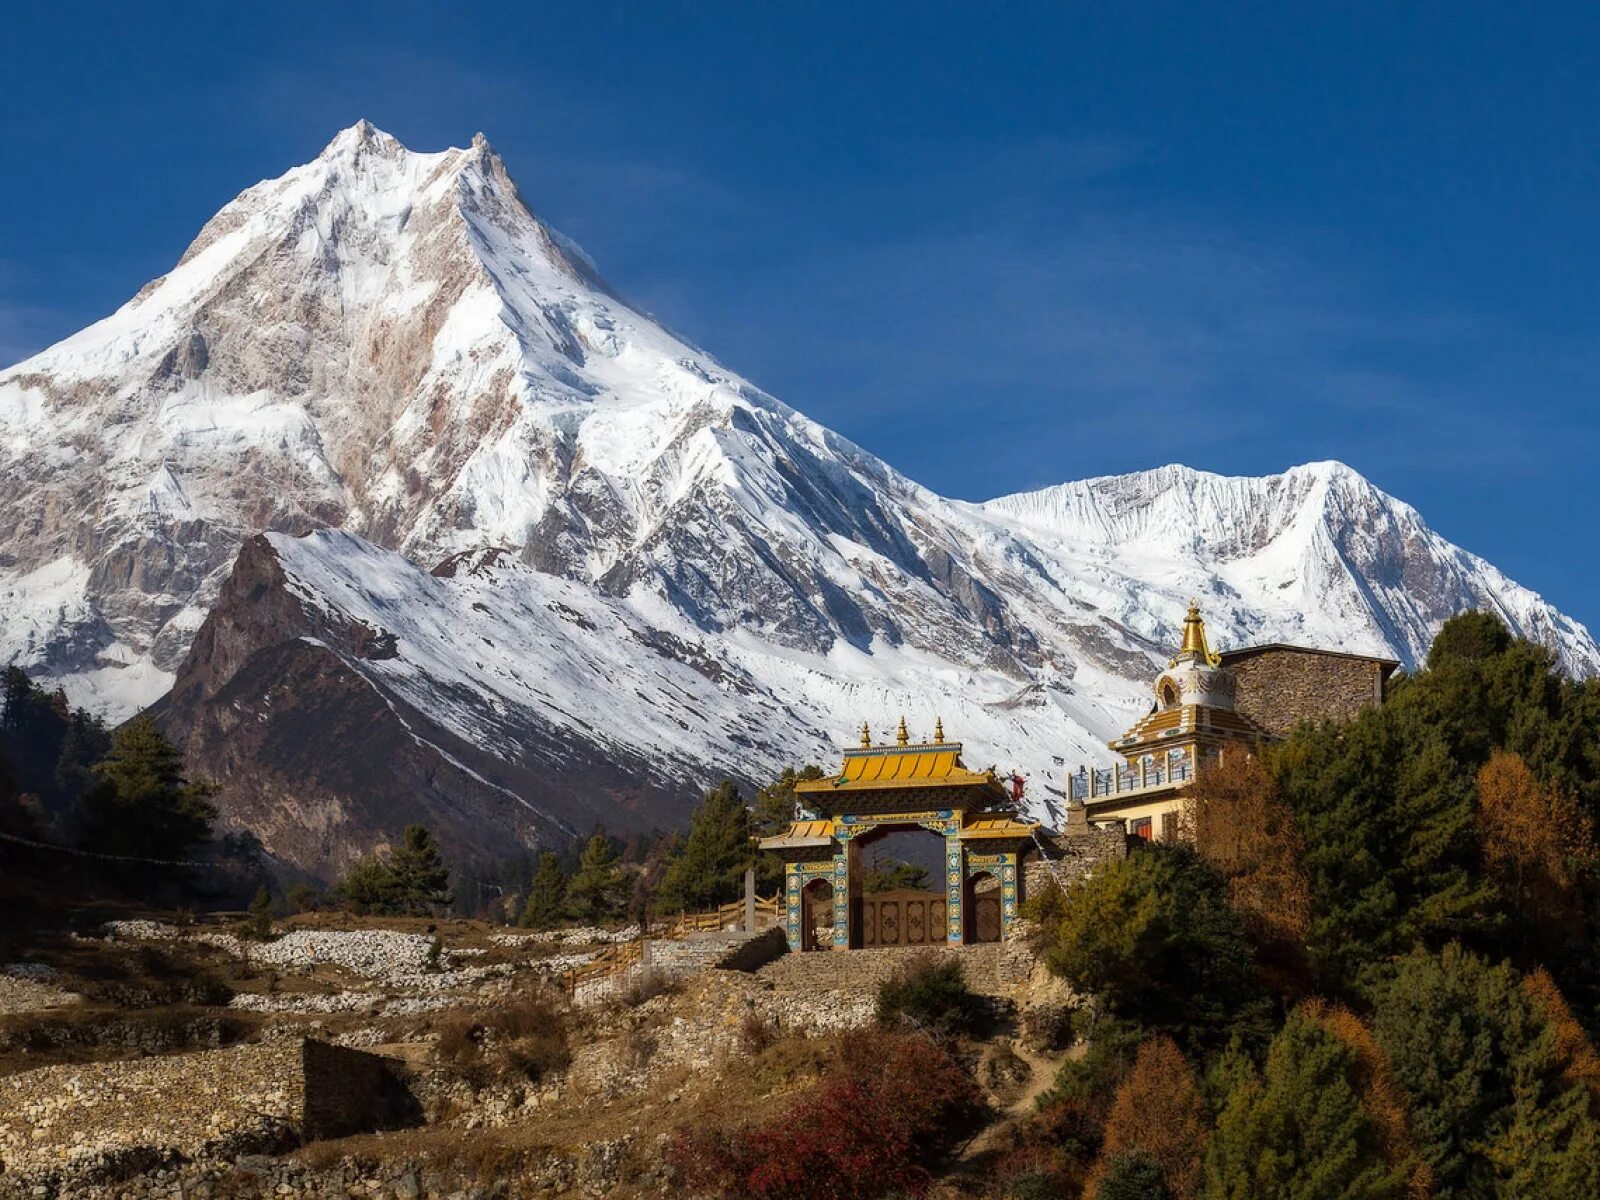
[(1206, 702), (1280, 686)]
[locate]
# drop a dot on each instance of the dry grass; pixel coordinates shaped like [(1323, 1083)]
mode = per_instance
[(525, 1041)]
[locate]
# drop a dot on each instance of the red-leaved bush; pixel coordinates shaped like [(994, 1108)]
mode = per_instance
[(884, 1108)]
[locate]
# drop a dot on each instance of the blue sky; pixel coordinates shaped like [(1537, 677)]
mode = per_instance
[(1001, 246)]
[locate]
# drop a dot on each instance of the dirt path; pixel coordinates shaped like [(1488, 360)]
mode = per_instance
[(1042, 1070)]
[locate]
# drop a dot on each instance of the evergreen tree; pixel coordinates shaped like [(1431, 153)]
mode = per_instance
[(421, 880), (1132, 1175), (598, 891), (887, 875), (1469, 637), (84, 743), (369, 886), (1300, 1131), (709, 869), (1153, 935), (771, 814), (1493, 1111), (259, 922), (141, 802), (774, 808), (547, 895)]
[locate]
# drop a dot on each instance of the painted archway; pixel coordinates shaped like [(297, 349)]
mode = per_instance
[(984, 908), (817, 924)]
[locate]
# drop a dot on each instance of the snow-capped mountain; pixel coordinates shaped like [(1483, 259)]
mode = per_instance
[(655, 572)]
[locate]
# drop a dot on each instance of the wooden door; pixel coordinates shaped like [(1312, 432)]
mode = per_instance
[(986, 917), (902, 918)]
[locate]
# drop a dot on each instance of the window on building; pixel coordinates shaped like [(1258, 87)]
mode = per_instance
[(1140, 827), (1169, 827)]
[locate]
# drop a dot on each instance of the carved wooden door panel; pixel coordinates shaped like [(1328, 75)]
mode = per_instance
[(902, 918), (986, 917)]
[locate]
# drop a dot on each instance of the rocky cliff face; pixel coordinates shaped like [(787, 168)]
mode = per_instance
[(650, 573)]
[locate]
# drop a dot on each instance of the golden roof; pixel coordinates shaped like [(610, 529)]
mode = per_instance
[(1194, 638), (997, 826), (932, 765), (801, 833)]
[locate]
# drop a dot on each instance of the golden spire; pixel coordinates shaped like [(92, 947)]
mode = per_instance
[(866, 736), (901, 735), (1194, 637), (938, 730)]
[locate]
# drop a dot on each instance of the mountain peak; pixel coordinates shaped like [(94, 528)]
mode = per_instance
[(363, 135), (390, 343)]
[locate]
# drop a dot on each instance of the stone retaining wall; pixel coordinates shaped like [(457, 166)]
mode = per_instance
[(64, 1121)]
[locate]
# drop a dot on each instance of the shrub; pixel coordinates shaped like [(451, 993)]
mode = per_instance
[(757, 1032), (868, 1129), (645, 985), (930, 993), (525, 1040), (1133, 1176)]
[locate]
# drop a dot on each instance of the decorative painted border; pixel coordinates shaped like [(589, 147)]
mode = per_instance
[(1004, 868), (944, 821), (796, 876), (955, 885)]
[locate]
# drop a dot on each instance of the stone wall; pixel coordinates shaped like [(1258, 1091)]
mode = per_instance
[(68, 1121), (1071, 856), (1280, 687)]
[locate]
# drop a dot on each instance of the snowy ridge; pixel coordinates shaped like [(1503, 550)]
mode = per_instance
[(392, 346)]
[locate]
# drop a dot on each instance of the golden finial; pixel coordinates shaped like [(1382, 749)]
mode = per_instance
[(901, 735), (1194, 637), (938, 730), (866, 736)]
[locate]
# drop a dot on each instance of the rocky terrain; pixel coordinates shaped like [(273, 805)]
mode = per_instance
[(403, 1058), (563, 566)]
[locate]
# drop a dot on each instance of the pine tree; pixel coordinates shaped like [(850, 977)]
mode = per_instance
[(141, 802), (1493, 1109), (547, 895), (709, 869), (1153, 935), (771, 815), (85, 742), (1300, 1131), (1538, 844), (259, 922), (774, 808), (1244, 829), (421, 880), (598, 891), (369, 886)]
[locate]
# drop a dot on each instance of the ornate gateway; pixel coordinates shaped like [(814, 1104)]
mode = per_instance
[(880, 789)]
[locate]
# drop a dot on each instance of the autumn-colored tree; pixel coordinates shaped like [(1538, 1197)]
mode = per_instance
[(1381, 1098), (1574, 1050), (1159, 1114), (1537, 842), (1244, 830)]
